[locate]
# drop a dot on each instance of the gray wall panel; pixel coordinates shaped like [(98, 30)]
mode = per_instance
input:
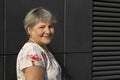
[(1, 68), (1, 25), (78, 26), (78, 66), (10, 67)]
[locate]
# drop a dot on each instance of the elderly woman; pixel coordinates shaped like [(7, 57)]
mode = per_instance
[(35, 61)]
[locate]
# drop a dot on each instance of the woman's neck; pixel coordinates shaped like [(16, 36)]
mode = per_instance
[(33, 41)]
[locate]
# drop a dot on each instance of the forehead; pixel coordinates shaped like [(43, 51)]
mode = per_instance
[(43, 23)]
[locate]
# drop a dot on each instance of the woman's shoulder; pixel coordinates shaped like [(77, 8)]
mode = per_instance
[(29, 48), (29, 45)]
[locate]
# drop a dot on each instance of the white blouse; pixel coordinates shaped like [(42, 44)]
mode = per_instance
[(32, 54)]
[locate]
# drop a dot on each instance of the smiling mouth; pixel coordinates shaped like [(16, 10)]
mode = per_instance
[(47, 36)]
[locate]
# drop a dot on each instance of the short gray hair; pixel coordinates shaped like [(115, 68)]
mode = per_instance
[(36, 15)]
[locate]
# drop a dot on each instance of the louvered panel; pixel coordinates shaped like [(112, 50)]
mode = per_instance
[(106, 40), (107, 34), (106, 4), (103, 9), (105, 19), (105, 68), (110, 77), (110, 29), (106, 58), (108, 53), (106, 14), (108, 1), (106, 24), (103, 73), (106, 48), (106, 44), (106, 63)]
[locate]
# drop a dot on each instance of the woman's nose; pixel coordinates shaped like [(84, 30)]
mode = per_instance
[(47, 30)]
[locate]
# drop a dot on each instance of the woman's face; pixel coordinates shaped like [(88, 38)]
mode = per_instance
[(42, 32)]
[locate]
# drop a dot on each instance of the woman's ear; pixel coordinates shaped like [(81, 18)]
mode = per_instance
[(29, 31)]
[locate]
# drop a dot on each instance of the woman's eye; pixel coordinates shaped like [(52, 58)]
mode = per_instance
[(41, 27), (51, 26)]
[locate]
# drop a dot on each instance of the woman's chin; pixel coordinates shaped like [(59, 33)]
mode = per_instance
[(47, 42)]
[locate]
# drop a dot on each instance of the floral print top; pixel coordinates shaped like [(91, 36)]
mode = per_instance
[(32, 54)]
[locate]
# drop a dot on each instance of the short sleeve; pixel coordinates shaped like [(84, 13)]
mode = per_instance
[(31, 56)]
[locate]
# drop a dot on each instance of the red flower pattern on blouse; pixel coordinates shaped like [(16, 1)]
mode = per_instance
[(34, 57), (44, 56)]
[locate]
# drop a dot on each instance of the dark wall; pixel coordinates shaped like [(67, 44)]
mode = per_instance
[(1, 26), (78, 39), (78, 26), (71, 44), (1, 68), (1, 39)]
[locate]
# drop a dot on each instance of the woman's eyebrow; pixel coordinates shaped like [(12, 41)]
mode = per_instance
[(41, 25)]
